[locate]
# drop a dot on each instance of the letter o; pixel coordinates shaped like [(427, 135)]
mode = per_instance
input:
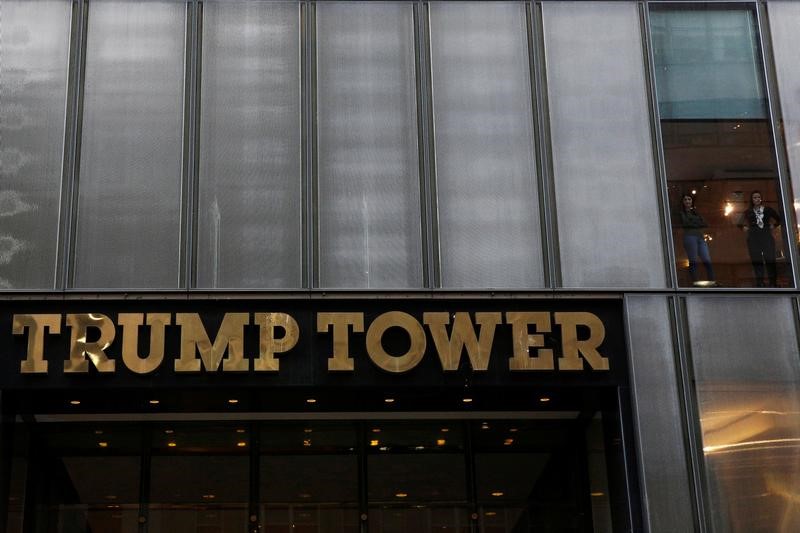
[(391, 363)]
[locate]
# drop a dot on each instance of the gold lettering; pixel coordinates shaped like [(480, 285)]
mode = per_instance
[(340, 360), (574, 348), (523, 341), (80, 347), (34, 362), (463, 334), (130, 323), (194, 338), (391, 363), (269, 345)]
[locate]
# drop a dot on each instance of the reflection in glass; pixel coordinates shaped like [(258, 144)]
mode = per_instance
[(35, 48), (718, 148), (131, 149), (368, 164), (249, 223), (747, 374)]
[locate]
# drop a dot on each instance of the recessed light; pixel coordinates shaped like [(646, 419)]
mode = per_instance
[(241, 444), (374, 442), (388, 400), (384, 448), (209, 496), (304, 495), (169, 431), (233, 401), (544, 399), (154, 402), (445, 430), (98, 431), (419, 448), (376, 430), (103, 444), (240, 430), (441, 442), (513, 430), (598, 494), (311, 400), (401, 494), (490, 513), (508, 442), (485, 425), (74, 402), (308, 430), (466, 400), (497, 493), (111, 496), (112, 506), (172, 444), (306, 442)]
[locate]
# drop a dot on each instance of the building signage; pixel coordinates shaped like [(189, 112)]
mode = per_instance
[(335, 338)]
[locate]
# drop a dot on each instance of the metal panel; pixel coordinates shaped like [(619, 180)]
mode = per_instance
[(369, 221), (249, 217), (662, 450), (485, 163), (605, 186), (130, 174), (35, 48)]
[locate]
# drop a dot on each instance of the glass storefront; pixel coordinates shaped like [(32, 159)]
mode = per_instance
[(545, 471)]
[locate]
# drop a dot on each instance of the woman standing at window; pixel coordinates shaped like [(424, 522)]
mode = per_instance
[(693, 239), (758, 222)]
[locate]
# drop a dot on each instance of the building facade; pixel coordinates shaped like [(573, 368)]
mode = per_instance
[(399, 266)]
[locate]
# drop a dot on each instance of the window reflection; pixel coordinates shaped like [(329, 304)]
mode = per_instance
[(718, 149)]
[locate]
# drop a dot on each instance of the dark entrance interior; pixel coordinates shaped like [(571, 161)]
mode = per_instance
[(556, 463)]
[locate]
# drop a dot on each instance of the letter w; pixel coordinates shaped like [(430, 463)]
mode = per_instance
[(463, 335)]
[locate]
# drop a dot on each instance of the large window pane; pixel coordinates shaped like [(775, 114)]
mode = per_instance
[(784, 19), (199, 479), (727, 220), (130, 173), (369, 223), (487, 195), (746, 373), (35, 44), (249, 220), (605, 187)]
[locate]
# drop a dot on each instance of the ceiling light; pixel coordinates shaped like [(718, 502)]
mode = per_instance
[(240, 430), (74, 402), (233, 401), (466, 400), (384, 448), (445, 430), (544, 399), (513, 430), (388, 400), (491, 513), (374, 442), (306, 442), (154, 402), (508, 442), (311, 400), (209, 496), (419, 448), (401, 494), (169, 431), (103, 444), (172, 444), (308, 430), (376, 430), (598, 494), (497, 493), (241, 444), (440, 442)]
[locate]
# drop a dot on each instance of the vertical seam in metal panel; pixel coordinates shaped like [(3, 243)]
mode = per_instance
[(305, 251), (690, 418), (312, 198), (778, 140), (68, 219), (657, 144), (544, 148), (637, 433), (187, 271), (431, 271)]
